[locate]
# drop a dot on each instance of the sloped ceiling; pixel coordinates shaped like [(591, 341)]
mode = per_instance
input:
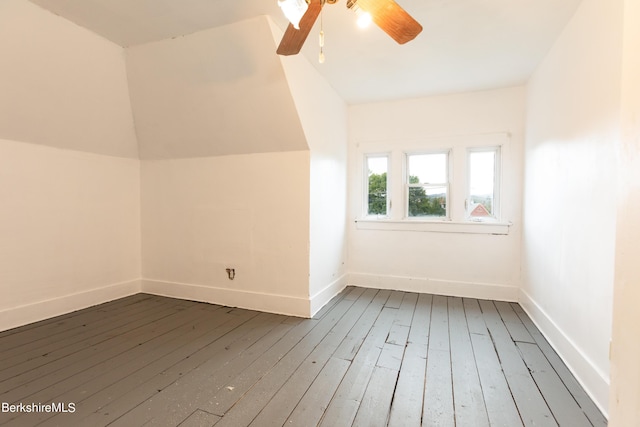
[(61, 85), (466, 45), (134, 22), (216, 92)]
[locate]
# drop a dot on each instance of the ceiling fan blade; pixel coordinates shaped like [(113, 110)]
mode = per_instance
[(293, 39), (392, 19)]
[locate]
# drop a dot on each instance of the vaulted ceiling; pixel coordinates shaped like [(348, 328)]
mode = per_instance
[(466, 45)]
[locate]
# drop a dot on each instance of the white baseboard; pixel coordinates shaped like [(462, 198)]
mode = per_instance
[(34, 312), (271, 303), (435, 286), (320, 299), (588, 375)]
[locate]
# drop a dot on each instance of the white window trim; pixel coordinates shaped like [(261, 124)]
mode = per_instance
[(457, 221), (365, 185), (497, 180), (405, 181), (467, 227)]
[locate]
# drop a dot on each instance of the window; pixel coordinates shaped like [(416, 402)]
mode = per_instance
[(377, 200), (427, 185), (482, 197), (443, 184)]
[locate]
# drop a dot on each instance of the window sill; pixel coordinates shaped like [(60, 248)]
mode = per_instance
[(499, 228)]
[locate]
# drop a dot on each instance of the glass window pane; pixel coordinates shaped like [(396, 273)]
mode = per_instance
[(427, 168), (431, 202), (377, 187), (482, 166)]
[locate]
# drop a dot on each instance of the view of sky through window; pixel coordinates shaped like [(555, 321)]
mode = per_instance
[(429, 168), (481, 171), (377, 165)]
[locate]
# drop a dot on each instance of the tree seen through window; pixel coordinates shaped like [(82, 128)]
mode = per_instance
[(377, 194), (426, 203), (420, 203)]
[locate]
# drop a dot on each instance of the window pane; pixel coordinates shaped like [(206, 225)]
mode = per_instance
[(427, 168), (377, 194), (482, 166), (430, 201)]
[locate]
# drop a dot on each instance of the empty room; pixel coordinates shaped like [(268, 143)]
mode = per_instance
[(320, 213)]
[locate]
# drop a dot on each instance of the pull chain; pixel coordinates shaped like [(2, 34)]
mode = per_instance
[(321, 36)]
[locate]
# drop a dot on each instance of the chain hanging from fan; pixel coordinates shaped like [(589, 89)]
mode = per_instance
[(386, 14)]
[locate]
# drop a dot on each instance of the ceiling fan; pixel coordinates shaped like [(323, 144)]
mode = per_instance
[(386, 14)]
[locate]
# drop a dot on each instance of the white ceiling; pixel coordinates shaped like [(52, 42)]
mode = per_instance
[(466, 45)]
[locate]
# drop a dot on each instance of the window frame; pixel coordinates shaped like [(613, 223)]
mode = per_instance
[(457, 220), (497, 181), (365, 187), (407, 186)]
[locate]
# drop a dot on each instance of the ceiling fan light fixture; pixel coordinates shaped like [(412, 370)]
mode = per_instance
[(363, 19), (294, 10)]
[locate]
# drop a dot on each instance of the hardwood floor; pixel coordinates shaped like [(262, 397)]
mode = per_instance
[(369, 358)]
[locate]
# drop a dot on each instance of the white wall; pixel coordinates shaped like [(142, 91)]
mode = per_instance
[(323, 115), (573, 113), (248, 212), (69, 215), (277, 217), (225, 170), (70, 227), (624, 398), (480, 265)]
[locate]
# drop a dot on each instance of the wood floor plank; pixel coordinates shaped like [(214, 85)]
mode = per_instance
[(82, 385), (120, 397), (406, 309), (199, 392), (438, 409), (352, 342), (516, 328), (368, 358), (501, 408), (376, 402), (375, 407), (473, 313), (588, 406), (79, 357), (61, 321), (349, 292), (400, 328), (129, 409), (222, 402), (468, 399), (251, 404), (395, 299), (311, 407), (530, 403), (344, 406), (406, 409), (421, 322), (36, 351), (284, 401), (391, 355), (563, 406), (192, 389), (29, 336), (200, 418)]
